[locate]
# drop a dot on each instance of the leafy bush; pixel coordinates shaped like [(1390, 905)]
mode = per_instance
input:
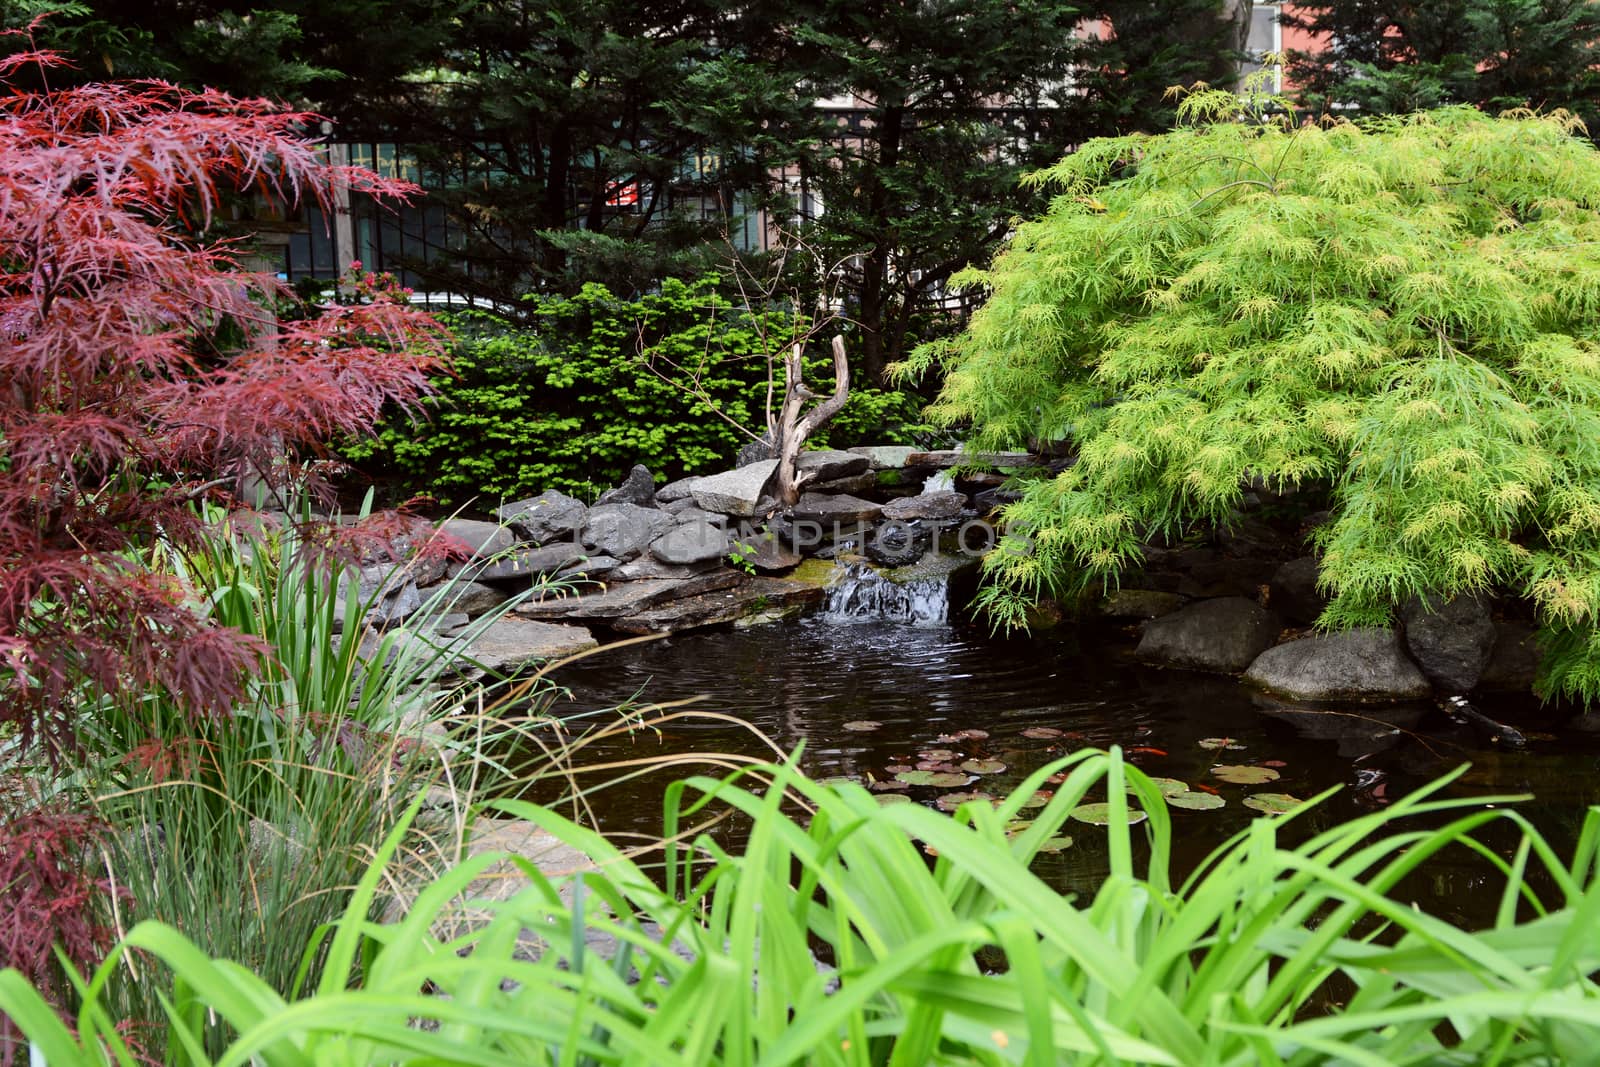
[(572, 403), (1265, 955), (1407, 310)]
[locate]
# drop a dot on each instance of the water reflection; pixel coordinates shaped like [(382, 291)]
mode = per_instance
[(802, 681)]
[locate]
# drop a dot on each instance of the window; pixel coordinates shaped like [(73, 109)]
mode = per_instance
[(1266, 35)]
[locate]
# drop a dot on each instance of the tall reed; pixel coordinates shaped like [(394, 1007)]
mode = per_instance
[(249, 831)]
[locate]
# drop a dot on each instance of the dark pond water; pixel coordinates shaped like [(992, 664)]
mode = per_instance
[(802, 681)]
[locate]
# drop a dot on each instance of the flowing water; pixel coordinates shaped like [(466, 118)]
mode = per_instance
[(892, 656)]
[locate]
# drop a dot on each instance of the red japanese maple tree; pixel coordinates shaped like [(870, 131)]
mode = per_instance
[(141, 367)]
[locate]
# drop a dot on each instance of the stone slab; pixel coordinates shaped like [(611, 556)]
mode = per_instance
[(521, 564), (735, 492), (829, 464), (937, 505), (483, 539), (961, 459), (886, 457), (826, 508), (751, 597), (625, 598), (682, 489), (509, 644)]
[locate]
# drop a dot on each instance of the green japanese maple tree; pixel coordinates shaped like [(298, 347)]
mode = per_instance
[(1405, 310)]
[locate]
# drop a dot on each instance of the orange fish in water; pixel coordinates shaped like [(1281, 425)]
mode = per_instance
[(1206, 788), (1146, 748)]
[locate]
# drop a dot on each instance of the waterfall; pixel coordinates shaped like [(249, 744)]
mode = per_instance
[(861, 594)]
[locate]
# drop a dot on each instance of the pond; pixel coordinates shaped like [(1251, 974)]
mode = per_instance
[(823, 681)]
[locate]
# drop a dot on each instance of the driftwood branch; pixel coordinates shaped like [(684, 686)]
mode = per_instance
[(794, 427)]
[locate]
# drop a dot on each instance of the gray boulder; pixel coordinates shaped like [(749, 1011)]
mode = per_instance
[(1222, 635), (1359, 665), (550, 516), (1514, 663), (483, 539), (1140, 604), (682, 489), (936, 505), (1450, 640), (691, 542), (735, 492), (1294, 592), (826, 465), (639, 489), (623, 530), (756, 451)]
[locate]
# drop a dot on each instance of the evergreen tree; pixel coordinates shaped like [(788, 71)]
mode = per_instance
[(595, 140), (1386, 57), (952, 101), (1406, 311)]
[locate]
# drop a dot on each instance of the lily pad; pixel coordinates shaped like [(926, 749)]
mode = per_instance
[(886, 799), (837, 779), (938, 779), (1168, 786), (896, 768), (1196, 801), (1215, 743), (1039, 799), (887, 787), (1243, 774), (1056, 844), (1272, 803), (1100, 814), (938, 754), (952, 801), (862, 726), (1042, 733), (983, 766)]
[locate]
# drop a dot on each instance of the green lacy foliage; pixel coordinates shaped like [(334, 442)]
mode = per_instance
[(602, 383), (1407, 310)]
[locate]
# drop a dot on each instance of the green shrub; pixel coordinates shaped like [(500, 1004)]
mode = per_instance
[(1407, 310), (572, 403), (832, 939)]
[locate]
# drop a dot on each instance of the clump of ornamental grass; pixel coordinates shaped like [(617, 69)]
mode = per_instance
[(249, 830), (832, 938), (1404, 309)]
